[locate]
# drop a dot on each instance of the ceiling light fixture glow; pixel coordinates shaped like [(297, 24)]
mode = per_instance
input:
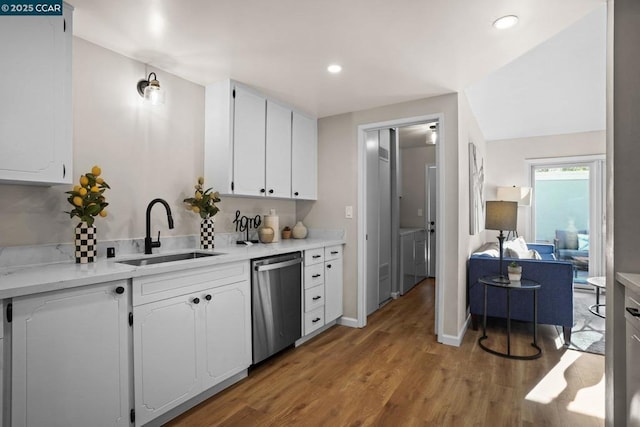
[(334, 68), (505, 22)]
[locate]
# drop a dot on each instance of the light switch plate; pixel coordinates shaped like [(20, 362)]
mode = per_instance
[(348, 212), (419, 212)]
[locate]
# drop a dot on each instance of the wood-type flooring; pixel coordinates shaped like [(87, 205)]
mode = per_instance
[(393, 372)]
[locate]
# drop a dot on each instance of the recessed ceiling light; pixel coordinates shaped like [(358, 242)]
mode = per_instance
[(334, 68), (505, 22)]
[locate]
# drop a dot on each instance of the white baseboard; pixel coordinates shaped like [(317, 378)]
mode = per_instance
[(348, 321), (455, 340)]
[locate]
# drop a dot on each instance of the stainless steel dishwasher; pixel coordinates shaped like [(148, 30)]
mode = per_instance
[(276, 303)]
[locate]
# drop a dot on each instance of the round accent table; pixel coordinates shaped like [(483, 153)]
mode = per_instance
[(599, 283), (523, 285)]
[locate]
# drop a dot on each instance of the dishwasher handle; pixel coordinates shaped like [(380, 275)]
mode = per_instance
[(278, 265)]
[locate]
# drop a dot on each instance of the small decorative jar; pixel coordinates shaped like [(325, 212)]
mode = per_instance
[(286, 233), (265, 234), (515, 272), (299, 231)]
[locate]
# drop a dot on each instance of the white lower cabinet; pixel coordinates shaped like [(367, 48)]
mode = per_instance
[(185, 344), (70, 357), (333, 289)]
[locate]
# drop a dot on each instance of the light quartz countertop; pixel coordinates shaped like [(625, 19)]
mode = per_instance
[(32, 279), (629, 280)]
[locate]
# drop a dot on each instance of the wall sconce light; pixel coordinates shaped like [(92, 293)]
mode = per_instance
[(150, 90)]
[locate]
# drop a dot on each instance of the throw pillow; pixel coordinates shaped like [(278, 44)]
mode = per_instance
[(519, 245), (488, 249), (583, 242)]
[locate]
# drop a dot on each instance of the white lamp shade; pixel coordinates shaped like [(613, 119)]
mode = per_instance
[(522, 195)]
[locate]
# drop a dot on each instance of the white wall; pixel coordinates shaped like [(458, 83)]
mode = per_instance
[(507, 165), (145, 152)]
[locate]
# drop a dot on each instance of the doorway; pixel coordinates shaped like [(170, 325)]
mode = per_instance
[(569, 211), (370, 156)]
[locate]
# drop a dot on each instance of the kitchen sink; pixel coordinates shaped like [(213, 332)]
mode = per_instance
[(138, 262)]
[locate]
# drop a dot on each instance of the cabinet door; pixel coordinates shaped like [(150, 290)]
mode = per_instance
[(227, 332), (420, 255), (248, 143), (407, 248), (70, 358), (333, 289), (35, 112), (278, 151), (165, 350), (304, 157)]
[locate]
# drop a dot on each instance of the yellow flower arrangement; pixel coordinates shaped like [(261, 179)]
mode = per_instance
[(203, 202), (87, 198)]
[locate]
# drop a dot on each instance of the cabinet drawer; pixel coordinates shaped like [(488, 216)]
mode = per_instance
[(313, 256), (313, 298), (313, 320), (313, 276), (160, 286), (332, 252)]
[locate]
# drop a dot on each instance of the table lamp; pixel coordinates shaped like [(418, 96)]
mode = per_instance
[(501, 216)]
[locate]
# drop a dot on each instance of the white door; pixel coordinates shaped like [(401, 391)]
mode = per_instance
[(278, 151), (431, 221), (70, 357), (227, 332), (166, 345), (384, 189), (372, 222), (304, 157), (248, 143)]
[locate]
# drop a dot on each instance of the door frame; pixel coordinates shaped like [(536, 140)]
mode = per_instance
[(362, 214)]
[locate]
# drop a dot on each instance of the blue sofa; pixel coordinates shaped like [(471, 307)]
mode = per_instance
[(555, 296)]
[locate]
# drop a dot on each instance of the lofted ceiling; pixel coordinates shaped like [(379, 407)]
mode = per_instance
[(390, 51)]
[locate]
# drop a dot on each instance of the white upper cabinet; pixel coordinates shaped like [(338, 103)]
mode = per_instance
[(304, 157), (278, 151), (35, 106), (250, 144)]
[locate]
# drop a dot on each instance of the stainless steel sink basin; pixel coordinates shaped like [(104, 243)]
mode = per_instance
[(138, 262)]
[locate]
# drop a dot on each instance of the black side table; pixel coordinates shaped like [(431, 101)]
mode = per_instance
[(523, 285)]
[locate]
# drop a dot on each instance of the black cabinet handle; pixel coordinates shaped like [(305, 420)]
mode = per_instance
[(334, 252), (316, 256), (196, 300), (119, 290), (262, 190), (328, 265), (271, 191), (295, 194), (316, 298), (316, 276), (633, 311), (208, 297), (316, 320)]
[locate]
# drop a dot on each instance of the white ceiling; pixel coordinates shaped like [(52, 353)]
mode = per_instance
[(558, 87), (391, 51)]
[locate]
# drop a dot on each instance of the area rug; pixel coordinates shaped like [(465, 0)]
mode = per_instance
[(587, 333)]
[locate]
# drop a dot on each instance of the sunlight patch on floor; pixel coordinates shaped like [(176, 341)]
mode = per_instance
[(554, 382), (589, 401)]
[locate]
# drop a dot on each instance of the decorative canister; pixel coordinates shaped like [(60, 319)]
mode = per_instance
[(206, 233), (86, 245), (299, 231), (266, 234), (272, 221)]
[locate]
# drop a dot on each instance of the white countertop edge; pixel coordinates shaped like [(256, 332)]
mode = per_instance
[(629, 280), (32, 279)]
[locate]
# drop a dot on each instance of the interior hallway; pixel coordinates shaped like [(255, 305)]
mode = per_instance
[(393, 372)]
